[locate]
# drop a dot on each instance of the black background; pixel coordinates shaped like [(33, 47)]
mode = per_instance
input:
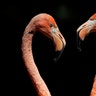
[(73, 73)]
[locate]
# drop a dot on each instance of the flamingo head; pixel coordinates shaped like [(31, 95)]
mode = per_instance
[(86, 28), (46, 24)]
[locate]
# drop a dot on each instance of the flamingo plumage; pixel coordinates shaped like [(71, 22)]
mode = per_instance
[(93, 91), (45, 24)]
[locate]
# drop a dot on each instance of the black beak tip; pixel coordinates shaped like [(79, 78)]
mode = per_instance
[(78, 42), (55, 60), (79, 49), (57, 56)]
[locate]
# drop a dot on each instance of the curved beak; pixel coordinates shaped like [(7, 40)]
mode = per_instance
[(53, 33), (85, 29), (59, 42)]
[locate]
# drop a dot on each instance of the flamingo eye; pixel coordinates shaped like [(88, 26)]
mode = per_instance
[(51, 24)]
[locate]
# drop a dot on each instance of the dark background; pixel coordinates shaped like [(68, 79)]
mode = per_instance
[(73, 73)]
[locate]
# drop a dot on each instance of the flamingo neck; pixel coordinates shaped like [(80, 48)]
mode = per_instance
[(31, 67)]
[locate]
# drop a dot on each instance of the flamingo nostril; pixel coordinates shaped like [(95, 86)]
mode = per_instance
[(60, 36)]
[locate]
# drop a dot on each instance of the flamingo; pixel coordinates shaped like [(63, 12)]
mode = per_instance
[(84, 30), (45, 24)]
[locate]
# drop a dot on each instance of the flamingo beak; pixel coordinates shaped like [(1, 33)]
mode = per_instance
[(84, 30), (59, 42), (55, 35)]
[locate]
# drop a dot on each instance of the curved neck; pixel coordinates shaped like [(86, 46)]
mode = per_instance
[(32, 69)]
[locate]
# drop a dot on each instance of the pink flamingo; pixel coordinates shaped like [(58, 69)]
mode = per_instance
[(45, 24), (84, 30)]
